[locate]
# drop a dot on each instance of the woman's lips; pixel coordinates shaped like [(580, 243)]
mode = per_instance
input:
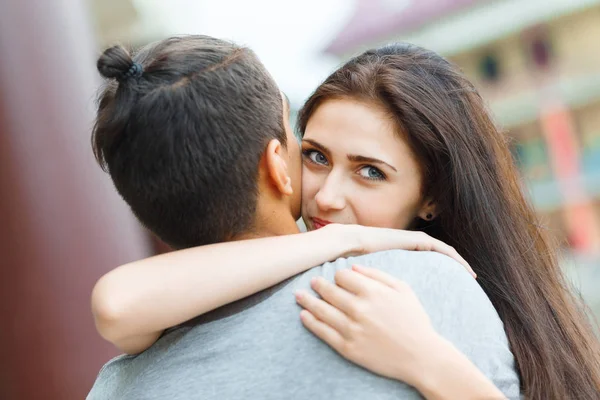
[(319, 223)]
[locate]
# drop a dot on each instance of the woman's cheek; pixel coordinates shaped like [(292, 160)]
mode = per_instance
[(310, 185), (371, 207), (382, 208)]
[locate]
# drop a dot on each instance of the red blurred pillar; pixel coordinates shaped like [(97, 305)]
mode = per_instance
[(61, 223)]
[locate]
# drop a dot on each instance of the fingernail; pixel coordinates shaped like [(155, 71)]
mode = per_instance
[(472, 272), (298, 294), (314, 281)]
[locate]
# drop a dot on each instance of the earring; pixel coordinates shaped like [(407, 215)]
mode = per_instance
[(429, 216)]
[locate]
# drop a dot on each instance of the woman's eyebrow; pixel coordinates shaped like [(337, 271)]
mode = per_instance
[(317, 145), (365, 159)]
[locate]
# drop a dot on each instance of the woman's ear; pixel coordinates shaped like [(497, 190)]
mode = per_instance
[(429, 210), (277, 169)]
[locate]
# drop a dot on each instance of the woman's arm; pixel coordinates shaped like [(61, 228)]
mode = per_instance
[(377, 321), (449, 374), (135, 303)]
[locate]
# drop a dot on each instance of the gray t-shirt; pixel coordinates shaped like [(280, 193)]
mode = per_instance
[(257, 348)]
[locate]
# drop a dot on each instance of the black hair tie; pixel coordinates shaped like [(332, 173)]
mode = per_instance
[(135, 71)]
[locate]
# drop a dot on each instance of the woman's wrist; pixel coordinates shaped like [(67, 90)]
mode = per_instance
[(433, 366), (423, 371), (443, 372), (346, 238)]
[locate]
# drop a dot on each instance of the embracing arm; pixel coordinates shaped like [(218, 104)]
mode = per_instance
[(378, 322), (449, 374), (135, 303)]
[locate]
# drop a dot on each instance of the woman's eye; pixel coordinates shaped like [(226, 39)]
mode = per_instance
[(370, 172), (316, 156)]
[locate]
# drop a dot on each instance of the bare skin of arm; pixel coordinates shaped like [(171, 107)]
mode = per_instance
[(134, 303)]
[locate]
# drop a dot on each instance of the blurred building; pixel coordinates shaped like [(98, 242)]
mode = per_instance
[(132, 23), (537, 64)]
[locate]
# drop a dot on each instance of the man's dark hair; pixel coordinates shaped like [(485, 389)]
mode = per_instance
[(181, 128)]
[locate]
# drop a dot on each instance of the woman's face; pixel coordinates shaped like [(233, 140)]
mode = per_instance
[(357, 169)]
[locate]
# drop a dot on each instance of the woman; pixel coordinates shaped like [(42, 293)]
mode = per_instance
[(398, 138)]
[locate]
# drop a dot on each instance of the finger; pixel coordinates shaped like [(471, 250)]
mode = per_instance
[(354, 282), (321, 330), (323, 311), (334, 295), (379, 276), (441, 247)]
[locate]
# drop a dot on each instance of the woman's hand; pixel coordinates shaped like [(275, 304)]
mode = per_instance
[(372, 239), (371, 319), (377, 322)]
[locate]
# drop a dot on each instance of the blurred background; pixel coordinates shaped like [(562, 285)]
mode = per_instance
[(62, 225)]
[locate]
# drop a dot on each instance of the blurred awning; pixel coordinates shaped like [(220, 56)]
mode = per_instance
[(446, 26)]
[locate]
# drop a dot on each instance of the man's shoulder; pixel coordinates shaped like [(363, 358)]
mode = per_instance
[(458, 307), (120, 374), (433, 276), (445, 288), (107, 381), (408, 265)]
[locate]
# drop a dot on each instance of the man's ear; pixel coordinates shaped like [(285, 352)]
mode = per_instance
[(277, 169), (429, 210)]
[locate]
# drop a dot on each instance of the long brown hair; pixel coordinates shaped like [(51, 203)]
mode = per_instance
[(469, 172)]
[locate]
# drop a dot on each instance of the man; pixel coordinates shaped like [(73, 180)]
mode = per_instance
[(197, 140)]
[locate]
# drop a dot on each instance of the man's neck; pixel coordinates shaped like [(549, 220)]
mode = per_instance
[(273, 225)]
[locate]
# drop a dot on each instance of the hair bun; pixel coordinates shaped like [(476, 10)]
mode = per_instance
[(116, 63)]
